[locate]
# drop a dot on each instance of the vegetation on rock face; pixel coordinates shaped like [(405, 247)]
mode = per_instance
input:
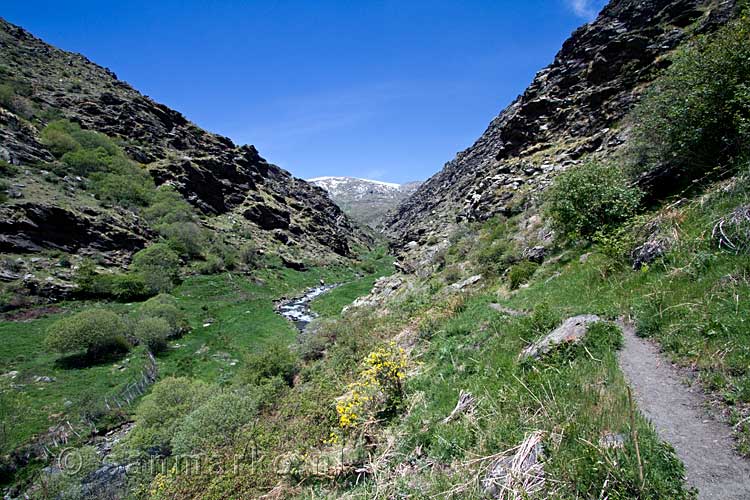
[(695, 120), (590, 198)]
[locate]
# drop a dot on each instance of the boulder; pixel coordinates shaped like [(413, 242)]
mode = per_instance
[(571, 330), (465, 283), (535, 254)]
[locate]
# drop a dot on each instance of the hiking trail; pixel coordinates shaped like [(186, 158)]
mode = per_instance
[(679, 414)]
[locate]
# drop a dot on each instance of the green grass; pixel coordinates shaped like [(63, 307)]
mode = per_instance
[(239, 311), (331, 303), (29, 408)]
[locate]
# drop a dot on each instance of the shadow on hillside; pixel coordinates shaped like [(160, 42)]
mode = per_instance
[(83, 360)]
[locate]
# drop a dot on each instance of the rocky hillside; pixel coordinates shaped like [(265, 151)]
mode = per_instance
[(366, 201), (573, 108), (234, 189)]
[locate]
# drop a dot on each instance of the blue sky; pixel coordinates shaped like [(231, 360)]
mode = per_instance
[(384, 89)]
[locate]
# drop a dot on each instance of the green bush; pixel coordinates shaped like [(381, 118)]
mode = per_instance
[(95, 331), (211, 265), (496, 256), (164, 306), (7, 170), (590, 198), (58, 138), (6, 96), (185, 238), (63, 136), (227, 253), (168, 207), (697, 115), (118, 286), (249, 256), (159, 265), (521, 273), (134, 189), (157, 415), (84, 161), (275, 361), (152, 332), (123, 286), (216, 423), (3, 188)]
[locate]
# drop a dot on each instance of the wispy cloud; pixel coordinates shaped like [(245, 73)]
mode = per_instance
[(587, 9), (302, 118)]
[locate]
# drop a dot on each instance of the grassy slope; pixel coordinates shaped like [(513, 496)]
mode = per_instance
[(330, 304), (242, 319), (694, 301)]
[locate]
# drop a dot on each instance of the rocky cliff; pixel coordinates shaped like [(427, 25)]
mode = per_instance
[(573, 108), (366, 201), (232, 186)]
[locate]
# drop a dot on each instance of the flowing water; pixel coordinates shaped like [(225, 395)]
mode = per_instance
[(297, 309)]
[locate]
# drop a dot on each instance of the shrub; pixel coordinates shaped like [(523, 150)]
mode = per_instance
[(7, 170), (159, 266), (164, 306), (157, 415), (496, 256), (134, 189), (697, 115), (216, 423), (275, 361), (64, 136), (211, 265), (123, 286), (589, 198), (57, 136), (6, 96), (185, 238), (3, 191), (119, 286), (152, 332), (249, 256), (226, 253), (85, 161), (94, 331), (521, 273), (378, 391), (168, 207)]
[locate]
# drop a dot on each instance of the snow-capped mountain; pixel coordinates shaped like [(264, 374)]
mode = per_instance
[(365, 200)]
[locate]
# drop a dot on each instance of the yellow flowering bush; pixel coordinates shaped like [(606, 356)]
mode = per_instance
[(378, 389)]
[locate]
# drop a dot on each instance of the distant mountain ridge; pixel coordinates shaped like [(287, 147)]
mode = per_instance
[(365, 200)]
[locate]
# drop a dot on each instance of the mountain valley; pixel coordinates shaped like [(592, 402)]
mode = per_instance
[(559, 313)]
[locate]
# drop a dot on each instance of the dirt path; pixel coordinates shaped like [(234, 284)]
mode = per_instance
[(678, 412)]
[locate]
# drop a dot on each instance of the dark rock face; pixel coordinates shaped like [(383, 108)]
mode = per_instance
[(210, 171), (29, 227), (568, 111), (267, 217)]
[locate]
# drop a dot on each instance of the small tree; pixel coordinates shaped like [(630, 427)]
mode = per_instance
[(697, 115), (159, 265), (152, 332), (590, 198), (94, 331), (275, 361), (164, 306), (157, 416)]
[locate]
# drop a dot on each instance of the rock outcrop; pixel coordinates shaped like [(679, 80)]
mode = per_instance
[(571, 109), (231, 183)]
